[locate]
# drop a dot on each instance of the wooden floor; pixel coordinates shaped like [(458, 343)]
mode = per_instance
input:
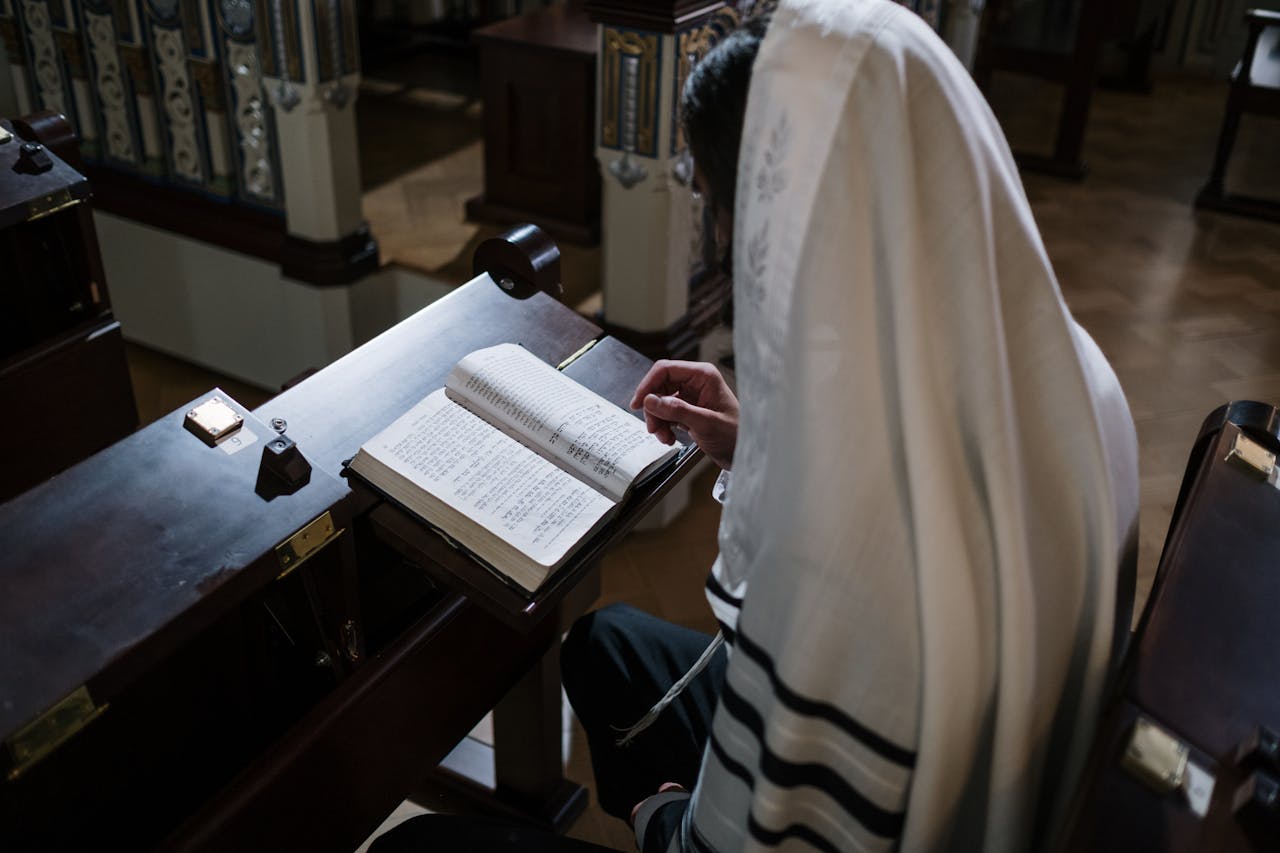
[(1186, 306)]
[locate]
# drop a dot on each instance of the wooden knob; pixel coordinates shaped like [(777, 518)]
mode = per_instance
[(53, 131), (522, 261)]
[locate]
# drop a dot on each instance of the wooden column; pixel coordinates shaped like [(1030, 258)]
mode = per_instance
[(658, 287), (311, 71)]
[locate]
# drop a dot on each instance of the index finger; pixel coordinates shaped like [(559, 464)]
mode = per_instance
[(668, 377)]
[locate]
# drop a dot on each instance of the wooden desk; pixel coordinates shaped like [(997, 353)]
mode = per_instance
[(401, 686)]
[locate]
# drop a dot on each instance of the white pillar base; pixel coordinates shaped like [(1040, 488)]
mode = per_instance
[(237, 314), (320, 163)]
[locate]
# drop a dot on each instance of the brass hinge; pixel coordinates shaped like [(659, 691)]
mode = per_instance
[(295, 550), (51, 729), (39, 208)]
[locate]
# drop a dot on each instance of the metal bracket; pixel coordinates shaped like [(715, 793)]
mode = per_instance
[(1252, 457), (212, 420), (1155, 757)]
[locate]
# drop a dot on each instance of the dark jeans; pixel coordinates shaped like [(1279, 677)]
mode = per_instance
[(615, 663)]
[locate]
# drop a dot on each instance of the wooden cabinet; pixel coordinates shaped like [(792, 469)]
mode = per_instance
[(538, 79), (63, 376)]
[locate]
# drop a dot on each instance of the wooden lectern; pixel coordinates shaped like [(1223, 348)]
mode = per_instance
[(199, 651)]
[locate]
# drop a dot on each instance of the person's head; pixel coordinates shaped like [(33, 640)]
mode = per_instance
[(712, 108)]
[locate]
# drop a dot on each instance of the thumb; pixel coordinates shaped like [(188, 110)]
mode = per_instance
[(676, 411)]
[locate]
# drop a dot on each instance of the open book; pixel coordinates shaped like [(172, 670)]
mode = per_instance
[(513, 460)]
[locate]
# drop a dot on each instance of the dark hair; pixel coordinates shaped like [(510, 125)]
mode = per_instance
[(714, 104)]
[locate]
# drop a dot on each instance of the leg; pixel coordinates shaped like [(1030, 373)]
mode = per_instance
[(618, 661), (528, 766), (521, 776), (1226, 140)]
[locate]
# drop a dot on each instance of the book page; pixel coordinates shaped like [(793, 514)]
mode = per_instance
[(489, 477), (584, 431)]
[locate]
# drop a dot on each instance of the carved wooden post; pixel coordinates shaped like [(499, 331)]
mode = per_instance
[(311, 71), (653, 262)]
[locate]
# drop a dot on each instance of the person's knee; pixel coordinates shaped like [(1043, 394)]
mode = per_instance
[(590, 649)]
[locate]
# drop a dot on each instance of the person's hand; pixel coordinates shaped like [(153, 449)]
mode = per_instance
[(692, 395), (666, 786)]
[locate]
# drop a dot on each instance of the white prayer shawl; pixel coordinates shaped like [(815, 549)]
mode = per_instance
[(935, 478)]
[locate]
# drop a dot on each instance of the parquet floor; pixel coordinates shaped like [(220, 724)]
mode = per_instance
[(1186, 305)]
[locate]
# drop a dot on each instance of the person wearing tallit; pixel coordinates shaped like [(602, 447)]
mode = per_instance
[(927, 542)]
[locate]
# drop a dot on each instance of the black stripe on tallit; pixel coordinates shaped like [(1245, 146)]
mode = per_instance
[(823, 710), (789, 774), (715, 588), (807, 834), (754, 827)]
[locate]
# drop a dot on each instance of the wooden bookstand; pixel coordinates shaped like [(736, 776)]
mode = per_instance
[(256, 707)]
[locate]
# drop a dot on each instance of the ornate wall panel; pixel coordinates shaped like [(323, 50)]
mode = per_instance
[(110, 87), (177, 100), (181, 116), (631, 63), (44, 58), (250, 122), (278, 35)]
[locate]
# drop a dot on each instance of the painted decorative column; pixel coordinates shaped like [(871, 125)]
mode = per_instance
[(138, 65), (16, 51), (208, 76), (106, 26), (311, 72), (71, 44), (39, 20), (654, 259)]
